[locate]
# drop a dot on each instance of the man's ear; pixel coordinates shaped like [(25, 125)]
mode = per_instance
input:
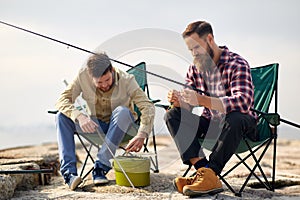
[(210, 38)]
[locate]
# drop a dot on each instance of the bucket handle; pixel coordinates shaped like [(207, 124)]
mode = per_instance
[(126, 153)]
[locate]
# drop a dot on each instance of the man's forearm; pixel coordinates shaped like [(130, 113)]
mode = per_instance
[(212, 103)]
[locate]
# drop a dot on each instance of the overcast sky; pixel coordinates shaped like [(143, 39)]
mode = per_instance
[(32, 68)]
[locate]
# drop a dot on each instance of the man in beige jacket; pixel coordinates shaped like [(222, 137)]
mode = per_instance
[(110, 95)]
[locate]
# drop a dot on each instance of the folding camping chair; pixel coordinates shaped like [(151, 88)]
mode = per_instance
[(140, 74), (265, 82), (93, 140)]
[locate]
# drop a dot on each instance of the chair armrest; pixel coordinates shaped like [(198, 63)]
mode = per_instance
[(164, 106), (56, 111), (155, 100), (52, 111), (271, 118)]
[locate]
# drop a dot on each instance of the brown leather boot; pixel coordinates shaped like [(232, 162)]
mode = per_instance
[(180, 182), (204, 183)]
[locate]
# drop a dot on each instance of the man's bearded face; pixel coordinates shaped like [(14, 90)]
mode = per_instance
[(204, 62)]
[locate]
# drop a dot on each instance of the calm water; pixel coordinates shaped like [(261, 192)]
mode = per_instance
[(23, 136)]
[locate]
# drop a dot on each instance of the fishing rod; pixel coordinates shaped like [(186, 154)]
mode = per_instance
[(116, 61), (122, 63)]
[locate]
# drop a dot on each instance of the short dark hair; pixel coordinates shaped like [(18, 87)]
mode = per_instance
[(202, 28), (98, 65)]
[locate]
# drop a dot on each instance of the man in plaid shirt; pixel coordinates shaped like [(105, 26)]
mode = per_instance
[(220, 82)]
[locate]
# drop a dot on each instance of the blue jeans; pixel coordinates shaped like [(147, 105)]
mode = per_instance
[(114, 131)]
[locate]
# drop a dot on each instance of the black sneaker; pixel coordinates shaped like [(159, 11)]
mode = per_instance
[(72, 180), (99, 177)]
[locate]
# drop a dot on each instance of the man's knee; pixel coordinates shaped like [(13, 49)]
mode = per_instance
[(60, 116), (234, 118), (122, 117), (174, 113), (121, 111), (243, 123)]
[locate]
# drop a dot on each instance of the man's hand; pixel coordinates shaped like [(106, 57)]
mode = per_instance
[(190, 97), (86, 124), (135, 144), (193, 98), (174, 97)]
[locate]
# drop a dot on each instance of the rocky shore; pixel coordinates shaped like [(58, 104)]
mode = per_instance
[(51, 186)]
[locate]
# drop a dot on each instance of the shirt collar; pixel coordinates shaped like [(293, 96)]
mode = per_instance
[(224, 58), (224, 55), (116, 73)]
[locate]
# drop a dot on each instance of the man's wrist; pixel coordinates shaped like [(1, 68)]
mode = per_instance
[(142, 134), (80, 116)]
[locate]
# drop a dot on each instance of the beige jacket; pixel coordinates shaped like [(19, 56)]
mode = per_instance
[(125, 92)]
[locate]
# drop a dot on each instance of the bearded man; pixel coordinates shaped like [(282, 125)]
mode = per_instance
[(228, 96)]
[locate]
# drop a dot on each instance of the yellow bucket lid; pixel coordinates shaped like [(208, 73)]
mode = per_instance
[(132, 164)]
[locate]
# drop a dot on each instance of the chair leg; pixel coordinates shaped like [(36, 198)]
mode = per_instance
[(86, 158), (238, 194), (156, 170), (85, 161), (248, 167), (187, 170), (86, 174), (274, 162), (155, 160), (145, 146), (87, 151), (267, 185)]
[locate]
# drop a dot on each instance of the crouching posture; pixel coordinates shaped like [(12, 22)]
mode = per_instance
[(110, 95), (226, 81)]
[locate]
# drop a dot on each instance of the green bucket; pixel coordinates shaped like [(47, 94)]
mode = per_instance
[(136, 168)]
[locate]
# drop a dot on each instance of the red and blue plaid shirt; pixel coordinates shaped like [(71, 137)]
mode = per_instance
[(230, 81)]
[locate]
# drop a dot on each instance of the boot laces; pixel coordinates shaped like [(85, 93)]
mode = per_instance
[(198, 176), (190, 180)]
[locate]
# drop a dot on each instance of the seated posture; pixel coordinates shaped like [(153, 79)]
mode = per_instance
[(219, 81), (110, 95)]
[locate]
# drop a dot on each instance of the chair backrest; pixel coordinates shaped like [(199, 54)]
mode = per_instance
[(265, 85), (265, 81), (140, 74)]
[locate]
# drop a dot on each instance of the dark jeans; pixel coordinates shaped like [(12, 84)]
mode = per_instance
[(186, 128)]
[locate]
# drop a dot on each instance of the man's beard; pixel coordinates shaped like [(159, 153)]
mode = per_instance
[(105, 89), (205, 62)]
